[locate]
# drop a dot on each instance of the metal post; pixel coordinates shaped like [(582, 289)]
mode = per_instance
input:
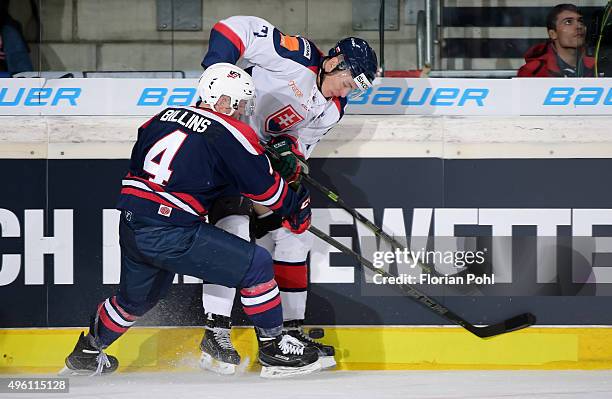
[(428, 33), (437, 34), (381, 36), (420, 39)]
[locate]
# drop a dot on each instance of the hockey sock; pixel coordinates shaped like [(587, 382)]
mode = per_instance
[(292, 279), (262, 303), (260, 296), (218, 299), (110, 322), (291, 276), (260, 270)]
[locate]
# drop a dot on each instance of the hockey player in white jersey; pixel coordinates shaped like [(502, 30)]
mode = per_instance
[(301, 95)]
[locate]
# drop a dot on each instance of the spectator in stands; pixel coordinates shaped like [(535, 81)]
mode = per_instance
[(563, 55), (14, 52), (3, 68)]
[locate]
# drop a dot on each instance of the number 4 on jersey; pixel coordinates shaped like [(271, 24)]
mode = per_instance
[(158, 159)]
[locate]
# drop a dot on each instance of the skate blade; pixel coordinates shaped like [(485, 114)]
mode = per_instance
[(243, 366), (207, 362), (327, 362), (68, 372), (65, 372), (284, 372)]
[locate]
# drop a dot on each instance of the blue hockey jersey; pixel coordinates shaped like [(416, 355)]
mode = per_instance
[(186, 157)]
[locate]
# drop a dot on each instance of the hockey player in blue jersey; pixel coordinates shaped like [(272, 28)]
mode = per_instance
[(301, 95), (183, 159)]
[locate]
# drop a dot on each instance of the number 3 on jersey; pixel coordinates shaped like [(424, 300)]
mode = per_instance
[(158, 159)]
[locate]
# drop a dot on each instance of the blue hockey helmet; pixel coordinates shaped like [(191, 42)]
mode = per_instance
[(359, 58)]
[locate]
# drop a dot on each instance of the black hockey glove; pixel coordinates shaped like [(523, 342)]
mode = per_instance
[(262, 225), (289, 160), (299, 222)]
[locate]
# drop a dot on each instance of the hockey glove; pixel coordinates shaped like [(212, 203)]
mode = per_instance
[(299, 222), (288, 160), (262, 225)]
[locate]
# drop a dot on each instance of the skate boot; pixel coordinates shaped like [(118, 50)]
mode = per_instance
[(326, 352), (88, 359), (285, 356), (218, 353)]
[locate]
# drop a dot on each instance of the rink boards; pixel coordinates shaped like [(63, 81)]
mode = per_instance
[(60, 239), (357, 348), (52, 292)]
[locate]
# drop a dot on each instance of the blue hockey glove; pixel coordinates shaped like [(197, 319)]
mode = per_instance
[(299, 222)]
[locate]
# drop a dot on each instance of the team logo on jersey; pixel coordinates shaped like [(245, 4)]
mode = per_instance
[(283, 120), (233, 75)]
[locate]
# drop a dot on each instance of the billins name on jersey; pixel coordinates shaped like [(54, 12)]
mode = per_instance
[(190, 120)]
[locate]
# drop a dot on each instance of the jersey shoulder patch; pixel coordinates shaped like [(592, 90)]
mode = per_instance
[(298, 49)]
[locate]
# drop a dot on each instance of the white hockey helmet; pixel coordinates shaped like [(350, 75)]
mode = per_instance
[(225, 79)]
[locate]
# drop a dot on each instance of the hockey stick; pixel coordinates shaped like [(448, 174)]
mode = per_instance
[(515, 323), (356, 214)]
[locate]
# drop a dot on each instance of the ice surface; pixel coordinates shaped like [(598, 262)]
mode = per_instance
[(344, 384)]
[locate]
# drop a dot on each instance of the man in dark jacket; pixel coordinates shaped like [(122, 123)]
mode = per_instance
[(14, 52), (564, 54)]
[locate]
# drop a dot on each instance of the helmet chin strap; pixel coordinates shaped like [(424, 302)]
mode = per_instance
[(323, 73)]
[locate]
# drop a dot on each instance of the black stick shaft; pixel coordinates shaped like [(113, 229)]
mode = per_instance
[(361, 218), (513, 324), (356, 214)]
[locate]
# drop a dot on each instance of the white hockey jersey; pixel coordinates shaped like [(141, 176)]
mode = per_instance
[(284, 69)]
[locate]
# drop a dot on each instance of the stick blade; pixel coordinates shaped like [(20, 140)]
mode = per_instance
[(515, 323)]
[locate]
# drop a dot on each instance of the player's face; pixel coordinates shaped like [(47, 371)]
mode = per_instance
[(338, 84), (570, 30), (223, 105), (245, 107)]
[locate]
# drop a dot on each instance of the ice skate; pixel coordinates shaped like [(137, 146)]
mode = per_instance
[(326, 352), (87, 359), (285, 356), (218, 353)]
